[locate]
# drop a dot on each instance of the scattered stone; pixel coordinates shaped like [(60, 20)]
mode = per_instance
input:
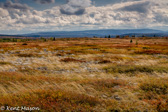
[(104, 96), (45, 50), (91, 75), (42, 68), (116, 97), (12, 70), (116, 87)]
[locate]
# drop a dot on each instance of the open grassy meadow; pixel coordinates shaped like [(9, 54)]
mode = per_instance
[(85, 74)]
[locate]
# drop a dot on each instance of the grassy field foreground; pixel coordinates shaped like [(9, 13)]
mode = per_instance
[(85, 74)]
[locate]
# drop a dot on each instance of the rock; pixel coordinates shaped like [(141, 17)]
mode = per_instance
[(45, 50), (42, 68), (96, 62), (12, 70), (26, 63), (19, 60), (92, 75), (104, 96), (23, 68), (116, 87), (60, 71), (146, 110), (116, 97)]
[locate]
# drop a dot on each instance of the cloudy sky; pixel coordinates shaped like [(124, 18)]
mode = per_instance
[(26, 16)]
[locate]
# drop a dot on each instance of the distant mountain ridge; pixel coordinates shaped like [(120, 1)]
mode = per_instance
[(99, 33)]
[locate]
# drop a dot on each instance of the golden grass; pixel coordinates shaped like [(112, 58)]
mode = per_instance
[(85, 74)]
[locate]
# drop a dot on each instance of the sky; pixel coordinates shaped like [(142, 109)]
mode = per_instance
[(28, 16)]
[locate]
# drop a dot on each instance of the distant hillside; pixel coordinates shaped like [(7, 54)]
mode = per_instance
[(99, 33), (4, 35), (164, 34)]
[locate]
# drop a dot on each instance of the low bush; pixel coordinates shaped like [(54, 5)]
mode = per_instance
[(105, 84), (71, 60), (24, 44), (4, 63), (154, 92), (104, 61), (29, 55), (52, 100), (148, 52), (134, 69), (157, 86)]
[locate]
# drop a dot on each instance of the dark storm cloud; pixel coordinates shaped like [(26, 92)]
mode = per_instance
[(10, 5), (161, 18), (77, 11), (138, 7), (75, 7), (44, 1)]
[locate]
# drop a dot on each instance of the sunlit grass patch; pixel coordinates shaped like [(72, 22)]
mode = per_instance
[(80, 49), (105, 84), (109, 83), (114, 50), (28, 71), (11, 76), (7, 77)]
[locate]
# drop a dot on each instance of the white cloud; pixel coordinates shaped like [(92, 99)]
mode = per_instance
[(120, 15), (3, 12)]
